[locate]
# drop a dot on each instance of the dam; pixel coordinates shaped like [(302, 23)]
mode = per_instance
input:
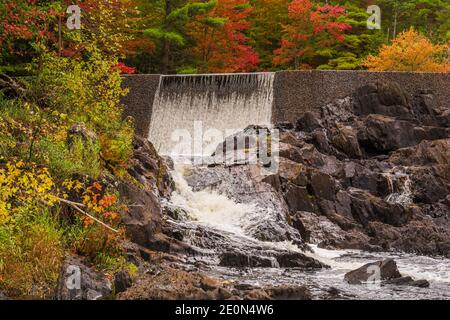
[(161, 104)]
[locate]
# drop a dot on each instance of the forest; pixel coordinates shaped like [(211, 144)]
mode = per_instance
[(65, 148), (228, 36)]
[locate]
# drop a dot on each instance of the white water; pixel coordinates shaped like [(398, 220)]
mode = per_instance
[(404, 194), (192, 114), (208, 208)]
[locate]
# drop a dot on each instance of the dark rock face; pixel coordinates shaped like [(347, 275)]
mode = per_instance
[(143, 221), (241, 260), (78, 281), (122, 281), (371, 172), (380, 270), (385, 271)]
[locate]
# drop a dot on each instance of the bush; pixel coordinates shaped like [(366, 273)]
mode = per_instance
[(31, 253), (83, 158)]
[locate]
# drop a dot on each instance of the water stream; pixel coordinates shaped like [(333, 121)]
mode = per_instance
[(214, 223)]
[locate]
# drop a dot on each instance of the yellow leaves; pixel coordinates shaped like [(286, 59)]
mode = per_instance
[(410, 51), (21, 184)]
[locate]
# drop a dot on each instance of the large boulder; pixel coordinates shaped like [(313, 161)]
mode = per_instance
[(143, 220), (385, 98), (382, 134), (380, 270), (79, 281), (435, 152), (367, 208)]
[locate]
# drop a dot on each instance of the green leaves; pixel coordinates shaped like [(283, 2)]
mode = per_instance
[(159, 34)]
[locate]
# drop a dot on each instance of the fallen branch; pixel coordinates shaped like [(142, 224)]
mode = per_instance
[(77, 206)]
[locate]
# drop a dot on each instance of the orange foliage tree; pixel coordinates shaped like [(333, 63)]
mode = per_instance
[(221, 45), (311, 28), (410, 51)]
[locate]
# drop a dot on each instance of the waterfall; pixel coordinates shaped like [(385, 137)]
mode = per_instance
[(192, 114)]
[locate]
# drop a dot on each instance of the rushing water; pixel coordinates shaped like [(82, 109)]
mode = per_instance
[(226, 210), (192, 114), (215, 222)]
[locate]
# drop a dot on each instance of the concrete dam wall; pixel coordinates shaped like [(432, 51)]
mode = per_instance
[(159, 104)]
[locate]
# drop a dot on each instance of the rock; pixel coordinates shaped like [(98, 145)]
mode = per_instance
[(298, 260), (289, 293), (435, 152), (384, 98), (282, 126), (346, 140), (367, 208), (174, 284), (382, 134), (79, 131), (244, 260), (380, 270), (298, 199), (323, 185), (143, 221), (78, 281), (418, 236), (151, 170), (308, 122), (3, 297), (122, 281), (408, 281)]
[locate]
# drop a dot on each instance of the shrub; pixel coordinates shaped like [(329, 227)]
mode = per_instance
[(83, 158), (31, 253)]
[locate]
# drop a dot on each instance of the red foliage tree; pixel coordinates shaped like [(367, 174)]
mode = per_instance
[(221, 44), (311, 29), (27, 21)]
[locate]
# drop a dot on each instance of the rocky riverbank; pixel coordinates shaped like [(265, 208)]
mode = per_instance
[(369, 172)]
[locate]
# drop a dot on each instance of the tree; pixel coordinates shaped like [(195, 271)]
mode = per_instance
[(311, 28), (410, 51), (23, 23), (220, 43), (266, 28), (359, 40), (168, 29)]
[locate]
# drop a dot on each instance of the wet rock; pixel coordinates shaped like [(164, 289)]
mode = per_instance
[(298, 260), (298, 199), (173, 284), (151, 170), (418, 236), (408, 281), (380, 270), (78, 281), (346, 140), (323, 185), (435, 152), (284, 126), (308, 122), (244, 260)]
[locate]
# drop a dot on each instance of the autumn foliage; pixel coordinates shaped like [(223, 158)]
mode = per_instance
[(221, 43), (310, 27), (410, 51)]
